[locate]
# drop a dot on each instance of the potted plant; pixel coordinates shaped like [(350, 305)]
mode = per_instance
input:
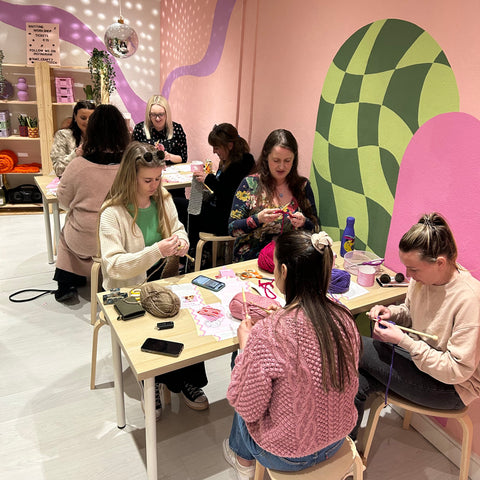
[(33, 127), (88, 90), (102, 74), (23, 125), (6, 88)]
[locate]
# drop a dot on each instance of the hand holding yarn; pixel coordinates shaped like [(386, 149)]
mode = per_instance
[(169, 246), (297, 219), (268, 215)]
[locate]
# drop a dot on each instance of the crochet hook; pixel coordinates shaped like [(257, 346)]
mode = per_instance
[(411, 330)]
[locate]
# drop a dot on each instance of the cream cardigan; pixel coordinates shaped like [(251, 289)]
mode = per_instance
[(125, 259)]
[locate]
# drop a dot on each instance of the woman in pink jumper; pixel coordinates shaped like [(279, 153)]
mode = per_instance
[(294, 382)]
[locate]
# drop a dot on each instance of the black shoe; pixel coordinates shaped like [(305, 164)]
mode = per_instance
[(65, 293), (194, 397)]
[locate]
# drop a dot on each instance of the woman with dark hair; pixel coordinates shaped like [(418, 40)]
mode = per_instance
[(443, 300), (236, 162), (81, 191), (68, 142), (273, 200), (295, 378)]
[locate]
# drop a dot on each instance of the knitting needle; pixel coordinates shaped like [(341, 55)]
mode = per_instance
[(208, 188), (411, 330), (247, 316), (186, 254)]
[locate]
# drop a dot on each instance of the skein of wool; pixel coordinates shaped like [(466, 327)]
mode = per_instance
[(340, 281), (159, 301), (265, 258)]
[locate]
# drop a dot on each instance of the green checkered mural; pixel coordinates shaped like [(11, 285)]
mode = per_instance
[(386, 80)]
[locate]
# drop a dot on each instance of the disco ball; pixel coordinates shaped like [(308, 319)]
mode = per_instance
[(121, 40)]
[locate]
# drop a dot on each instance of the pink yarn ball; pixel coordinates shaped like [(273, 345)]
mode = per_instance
[(265, 259)]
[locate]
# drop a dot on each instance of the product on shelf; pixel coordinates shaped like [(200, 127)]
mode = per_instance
[(5, 123), (64, 89), (8, 161)]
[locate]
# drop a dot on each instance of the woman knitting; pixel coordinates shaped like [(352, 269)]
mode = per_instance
[(294, 382), (273, 200), (443, 300), (139, 227)]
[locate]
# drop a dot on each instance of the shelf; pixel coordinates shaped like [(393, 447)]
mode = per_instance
[(21, 208), (59, 104), (22, 173), (18, 137), (19, 102)]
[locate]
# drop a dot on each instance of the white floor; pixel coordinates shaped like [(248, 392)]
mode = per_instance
[(52, 426)]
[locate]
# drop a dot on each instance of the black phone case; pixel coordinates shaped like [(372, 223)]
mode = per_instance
[(128, 308)]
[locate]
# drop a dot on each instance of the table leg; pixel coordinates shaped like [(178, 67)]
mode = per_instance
[(48, 230), (56, 225), (150, 428), (118, 381)]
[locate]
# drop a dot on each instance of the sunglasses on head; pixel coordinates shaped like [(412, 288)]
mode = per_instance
[(148, 156)]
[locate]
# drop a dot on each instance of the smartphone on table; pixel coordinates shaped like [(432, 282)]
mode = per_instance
[(209, 283), (162, 347)]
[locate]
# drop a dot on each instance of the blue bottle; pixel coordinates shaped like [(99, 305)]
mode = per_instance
[(348, 237)]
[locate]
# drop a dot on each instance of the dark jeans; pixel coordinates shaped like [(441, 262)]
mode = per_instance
[(407, 380)]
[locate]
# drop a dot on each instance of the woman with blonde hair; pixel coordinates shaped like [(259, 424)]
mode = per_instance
[(139, 227)]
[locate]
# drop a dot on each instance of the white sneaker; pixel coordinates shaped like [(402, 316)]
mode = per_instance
[(158, 400), (242, 473)]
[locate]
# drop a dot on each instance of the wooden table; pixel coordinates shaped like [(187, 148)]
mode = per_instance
[(50, 199), (128, 336)]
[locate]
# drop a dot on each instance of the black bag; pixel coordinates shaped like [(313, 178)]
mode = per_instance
[(128, 308)]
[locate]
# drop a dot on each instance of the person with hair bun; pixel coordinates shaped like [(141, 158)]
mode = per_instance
[(236, 163), (443, 300), (68, 141), (295, 379), (274, 200)]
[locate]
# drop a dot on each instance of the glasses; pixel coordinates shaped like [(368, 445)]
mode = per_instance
[(148, 156), (157, 115)]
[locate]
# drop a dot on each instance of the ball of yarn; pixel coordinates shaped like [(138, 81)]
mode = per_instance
[(159, 301), (265, 259), (340, 281)]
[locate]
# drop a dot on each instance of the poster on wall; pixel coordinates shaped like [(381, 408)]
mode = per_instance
[(43, 43)]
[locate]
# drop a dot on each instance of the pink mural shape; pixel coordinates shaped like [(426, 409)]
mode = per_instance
[(440, 172)]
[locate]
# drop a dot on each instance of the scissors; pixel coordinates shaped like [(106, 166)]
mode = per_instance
[(252, 274)]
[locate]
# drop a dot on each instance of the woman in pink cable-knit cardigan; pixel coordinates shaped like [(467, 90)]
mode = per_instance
[(294, 383)]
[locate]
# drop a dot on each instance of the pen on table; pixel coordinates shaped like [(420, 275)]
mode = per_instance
[(411, 330)]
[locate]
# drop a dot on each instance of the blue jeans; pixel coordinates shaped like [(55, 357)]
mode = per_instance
[(407, 380), (245, 447)]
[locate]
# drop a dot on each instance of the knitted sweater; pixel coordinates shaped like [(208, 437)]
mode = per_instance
[(125, 259), (452, 312), (276, 387)]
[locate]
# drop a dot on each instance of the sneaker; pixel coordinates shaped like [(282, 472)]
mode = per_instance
[(194, 397), (66, 293), (242, 473), (158, 400)]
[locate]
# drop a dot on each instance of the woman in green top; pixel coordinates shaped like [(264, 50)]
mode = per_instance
[(139, 227)]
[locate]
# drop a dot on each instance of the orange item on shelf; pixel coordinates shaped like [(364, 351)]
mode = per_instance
[(8, 160), (27, 168)]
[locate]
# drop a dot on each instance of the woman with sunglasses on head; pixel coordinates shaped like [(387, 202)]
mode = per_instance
[(295, 379), (274, 200), (68, 142), (443, 300), (236, 162), (81, 191), (139, 227)]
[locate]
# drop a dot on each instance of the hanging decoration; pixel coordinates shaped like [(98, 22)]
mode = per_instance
[(121, 40)]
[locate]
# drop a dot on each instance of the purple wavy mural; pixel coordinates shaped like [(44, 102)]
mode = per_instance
[(77, 33), (211, 59)]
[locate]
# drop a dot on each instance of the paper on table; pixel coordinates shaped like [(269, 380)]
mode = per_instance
[(220, 328), (354, 291)]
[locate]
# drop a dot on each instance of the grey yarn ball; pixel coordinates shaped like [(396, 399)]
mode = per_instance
[(159, 301)]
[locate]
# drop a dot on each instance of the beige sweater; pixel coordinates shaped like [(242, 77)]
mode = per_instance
[(125, 258), (63, 150), (452, 312)]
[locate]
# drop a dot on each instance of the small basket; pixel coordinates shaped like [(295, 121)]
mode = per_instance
[(352, 260)]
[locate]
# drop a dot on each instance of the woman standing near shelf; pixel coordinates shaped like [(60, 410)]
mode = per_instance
[(82, 190), (68, 142)]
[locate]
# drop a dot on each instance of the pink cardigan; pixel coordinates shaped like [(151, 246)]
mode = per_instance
[(276, 387)]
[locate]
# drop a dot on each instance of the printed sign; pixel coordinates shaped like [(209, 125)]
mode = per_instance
[(43, 43)]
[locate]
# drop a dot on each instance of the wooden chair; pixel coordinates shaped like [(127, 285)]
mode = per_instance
[(96, 322), (216, 240), (345, 462), (366, 437)]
